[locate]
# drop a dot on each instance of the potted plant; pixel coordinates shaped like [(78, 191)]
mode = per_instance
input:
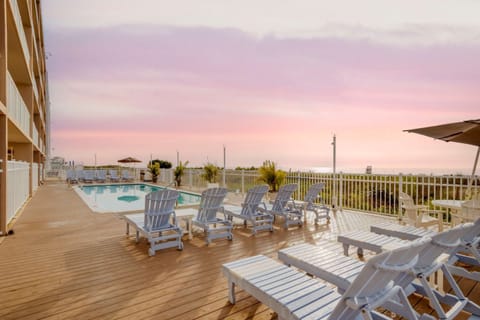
[(210, 173), (178, 173), (271, 175), (154, 170)]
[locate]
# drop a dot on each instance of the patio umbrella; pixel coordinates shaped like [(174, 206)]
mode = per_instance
[(128, 160), (467, 132)]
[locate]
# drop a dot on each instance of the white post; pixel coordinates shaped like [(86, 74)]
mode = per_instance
[(334, 193), (178, 158), (470, 183), (224, 166)]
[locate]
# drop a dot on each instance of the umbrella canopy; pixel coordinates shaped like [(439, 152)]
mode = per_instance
[(128, 160), (467, 132)]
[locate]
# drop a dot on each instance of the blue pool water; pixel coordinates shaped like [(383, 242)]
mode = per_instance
[(124, 197)]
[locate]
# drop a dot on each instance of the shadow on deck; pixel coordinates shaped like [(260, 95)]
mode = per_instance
[(65, 262)]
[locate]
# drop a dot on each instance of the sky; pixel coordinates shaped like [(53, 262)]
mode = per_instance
[(267, 80)]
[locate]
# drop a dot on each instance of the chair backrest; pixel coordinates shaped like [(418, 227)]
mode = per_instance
[(253, 199), (102, 173), (159, 207), (113, 173), (377, 280), (125, 173), (210, 204), (284, 194), (71, 175), (471, 210), (410, 209), (313, 192), (88, 174)]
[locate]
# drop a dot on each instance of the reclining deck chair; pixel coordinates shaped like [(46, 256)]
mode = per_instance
[(294, 295), (468, 253), (71, 177), (308, 204), (113, 175), (342, 271), (101, 176), (281, 207), (418, 215), (249, 210), (88, 176), (126, 175), (156, 224), (210, 205)]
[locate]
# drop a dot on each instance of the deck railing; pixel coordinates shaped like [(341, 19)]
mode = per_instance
[(374, 193), (21, 30), (16, 107), (35, 173), (18, 183)]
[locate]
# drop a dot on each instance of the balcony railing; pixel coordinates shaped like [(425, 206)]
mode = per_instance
[(35, 139), (18, 184), (365, 192), (17, 109), (21, 30)]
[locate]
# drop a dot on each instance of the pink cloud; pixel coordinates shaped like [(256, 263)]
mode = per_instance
[(156, 90)]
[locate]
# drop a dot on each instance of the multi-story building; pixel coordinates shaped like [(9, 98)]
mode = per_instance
[(24, 106)]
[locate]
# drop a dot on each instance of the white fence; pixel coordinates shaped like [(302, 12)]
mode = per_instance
[(18, 182), (35, 176), (365, 192), (21, 30), (16, 107)]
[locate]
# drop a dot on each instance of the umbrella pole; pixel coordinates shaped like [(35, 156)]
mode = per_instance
[(473, 173)]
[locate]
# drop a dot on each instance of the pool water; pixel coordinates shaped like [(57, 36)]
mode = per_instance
[(124, 197)]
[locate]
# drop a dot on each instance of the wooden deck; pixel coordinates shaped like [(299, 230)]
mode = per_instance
[(65, 262)]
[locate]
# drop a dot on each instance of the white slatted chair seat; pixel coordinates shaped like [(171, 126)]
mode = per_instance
[(309, 258), (323, 260), (156, 222), (309, 203), (294, 295), (401, 231), (249, 210), (369, 241), (207, 219), (126, 175), (71, 176), (281, 207)]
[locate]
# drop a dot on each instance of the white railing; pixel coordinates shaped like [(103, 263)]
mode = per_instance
[(21, 30), (16, 107), (35, 139), (35, 90), (365, 192), (18, 184), (35, 174)]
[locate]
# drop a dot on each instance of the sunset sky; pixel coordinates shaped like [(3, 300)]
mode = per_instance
[(270, 80)]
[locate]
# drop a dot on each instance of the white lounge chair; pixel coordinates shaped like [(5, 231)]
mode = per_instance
[(113, 175), (341, 270), (126, 175), (468, 253), (418, 215), (101, 176), (88, 176), (210, 205), (281, 207), (155, 224), (310, 203), (71, 177), (294, 295), (249, 210)]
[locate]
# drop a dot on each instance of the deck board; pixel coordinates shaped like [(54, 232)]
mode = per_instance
[(66, 262)]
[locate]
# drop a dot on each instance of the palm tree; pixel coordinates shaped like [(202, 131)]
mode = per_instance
[(271, 176), (178, 172), (210, 172)]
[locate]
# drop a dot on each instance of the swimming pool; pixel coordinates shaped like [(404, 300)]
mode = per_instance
[(124, 197)]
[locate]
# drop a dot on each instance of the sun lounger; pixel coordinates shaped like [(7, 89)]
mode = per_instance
[(249, 210), (210, 205), (126, 176), (71, 177), (309, 203), (155, 224), (281, 207), (418, 215), (88, 176), (327, 264), (113, 175), (101, 176), (294, 295)]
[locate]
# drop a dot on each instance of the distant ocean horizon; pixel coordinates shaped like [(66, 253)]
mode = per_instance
[(378, 170)]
